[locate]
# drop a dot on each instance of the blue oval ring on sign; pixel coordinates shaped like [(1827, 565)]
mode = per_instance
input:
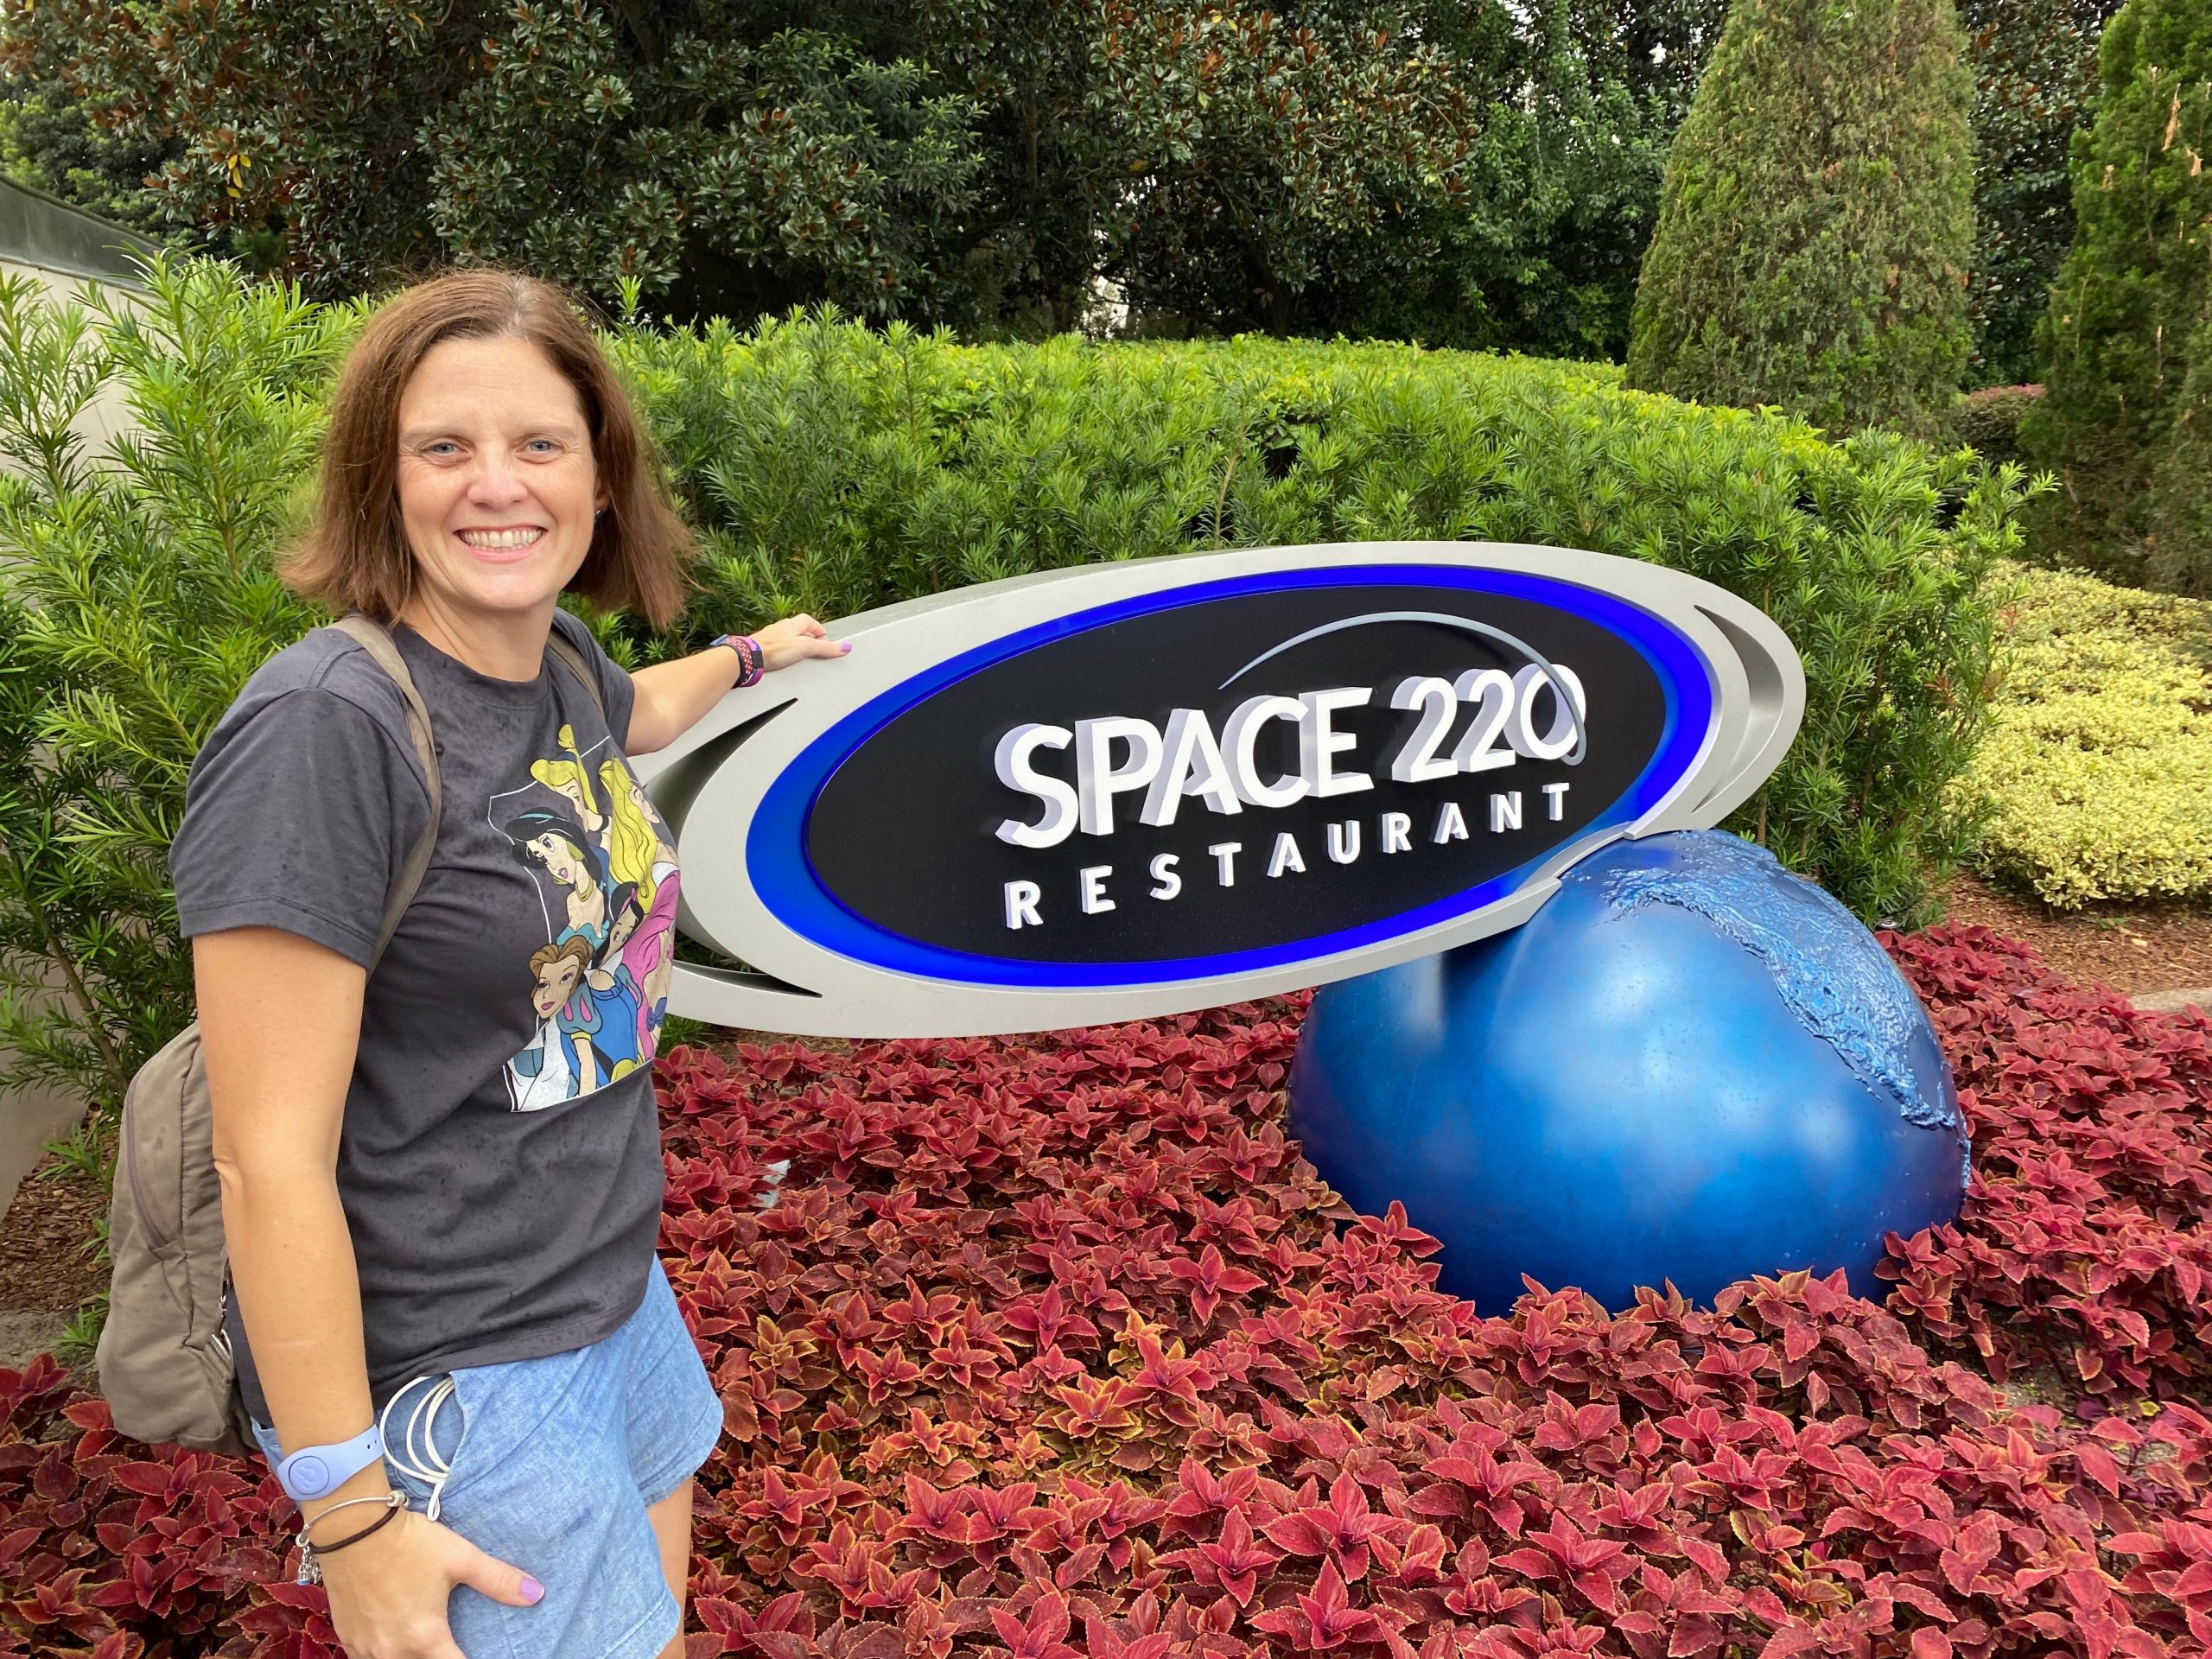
[(783, 854)]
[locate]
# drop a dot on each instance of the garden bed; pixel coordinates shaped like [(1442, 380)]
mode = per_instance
[(1055, 1345), (47, 1261)]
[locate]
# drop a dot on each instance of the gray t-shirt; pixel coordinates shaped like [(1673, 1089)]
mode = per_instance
[(499, 1161)]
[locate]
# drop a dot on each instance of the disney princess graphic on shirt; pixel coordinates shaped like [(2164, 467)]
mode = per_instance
[(606, 875)]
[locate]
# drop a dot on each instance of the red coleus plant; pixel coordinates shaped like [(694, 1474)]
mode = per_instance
[(1055, 1347)]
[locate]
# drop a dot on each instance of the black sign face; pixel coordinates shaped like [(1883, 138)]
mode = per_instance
[(1203, 784)]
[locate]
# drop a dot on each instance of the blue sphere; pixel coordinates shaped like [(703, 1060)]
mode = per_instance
[(1688, 1065)]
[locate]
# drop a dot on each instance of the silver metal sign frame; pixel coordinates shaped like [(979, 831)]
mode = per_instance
[(708, 784)]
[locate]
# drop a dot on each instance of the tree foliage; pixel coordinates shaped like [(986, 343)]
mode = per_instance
[(1538, 250), (47, 141), (942, 160), (2127, 335), (1263, 145), (2035, 64), (1812, 245), (1464, 171), (2181, 482), (356, 141)]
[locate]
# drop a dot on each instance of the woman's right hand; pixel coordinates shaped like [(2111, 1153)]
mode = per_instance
[(388, 1594)]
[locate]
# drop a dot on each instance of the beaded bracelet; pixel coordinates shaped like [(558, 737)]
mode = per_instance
[(310, 1552), (752, 661)]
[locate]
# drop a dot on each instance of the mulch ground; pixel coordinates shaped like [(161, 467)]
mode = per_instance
[(44, 1266), (2132, 949)]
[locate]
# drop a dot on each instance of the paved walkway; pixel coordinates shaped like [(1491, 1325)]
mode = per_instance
[(24, 1337), (2199, 999)]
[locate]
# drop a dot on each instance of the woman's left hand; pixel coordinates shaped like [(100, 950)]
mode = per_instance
[(794, 639)]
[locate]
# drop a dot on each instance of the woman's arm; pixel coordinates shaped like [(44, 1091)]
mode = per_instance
[(278, 1066), (280, 1017), (671, 696)]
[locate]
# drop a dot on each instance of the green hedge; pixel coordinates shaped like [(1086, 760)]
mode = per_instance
[(1988, 421), (832, 468)]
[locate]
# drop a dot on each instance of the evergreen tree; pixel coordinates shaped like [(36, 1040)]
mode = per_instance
[(2180, 556), (2131, 304), (1816, 218)]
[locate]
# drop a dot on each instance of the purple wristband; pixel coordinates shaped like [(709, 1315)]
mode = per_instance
[(751, 662)]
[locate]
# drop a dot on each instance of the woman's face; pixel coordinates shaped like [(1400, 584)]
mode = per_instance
[(497, 483)]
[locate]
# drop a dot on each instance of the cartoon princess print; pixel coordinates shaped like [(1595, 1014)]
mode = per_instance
[(619, 1035), (545, 1073), (605, 873), (638, 854), (569, 777), (557, 843)]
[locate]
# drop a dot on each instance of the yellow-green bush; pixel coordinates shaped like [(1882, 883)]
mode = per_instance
[(2097, 764)]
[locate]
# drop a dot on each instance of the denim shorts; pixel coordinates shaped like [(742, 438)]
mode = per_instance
[(551, 1464)]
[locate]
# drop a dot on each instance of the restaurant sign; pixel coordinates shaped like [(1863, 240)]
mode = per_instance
[(1133, 789)]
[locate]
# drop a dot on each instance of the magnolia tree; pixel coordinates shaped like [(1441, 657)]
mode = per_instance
[(2035, 64), (945, 159)]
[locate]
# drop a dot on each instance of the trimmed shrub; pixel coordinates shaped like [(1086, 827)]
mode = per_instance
[(2098, 763), (837, 469), (2132, 298), (1988, 421), (832, 468), (1816, 220)]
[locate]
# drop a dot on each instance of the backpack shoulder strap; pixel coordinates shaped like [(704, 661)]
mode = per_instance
[(560, 644), (373, 638)]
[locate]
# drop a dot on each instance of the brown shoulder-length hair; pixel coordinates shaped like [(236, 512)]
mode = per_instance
[(355, 557)]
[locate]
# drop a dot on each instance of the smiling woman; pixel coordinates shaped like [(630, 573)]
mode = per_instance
[(431, 994), (498, 492)]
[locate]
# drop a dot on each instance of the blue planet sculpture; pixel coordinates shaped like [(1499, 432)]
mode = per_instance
[(1688, 1065)]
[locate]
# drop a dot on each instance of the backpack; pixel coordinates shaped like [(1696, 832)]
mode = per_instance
[(164, 1360)]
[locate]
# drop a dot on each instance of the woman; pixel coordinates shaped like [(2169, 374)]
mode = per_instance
[(420, 1235)]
